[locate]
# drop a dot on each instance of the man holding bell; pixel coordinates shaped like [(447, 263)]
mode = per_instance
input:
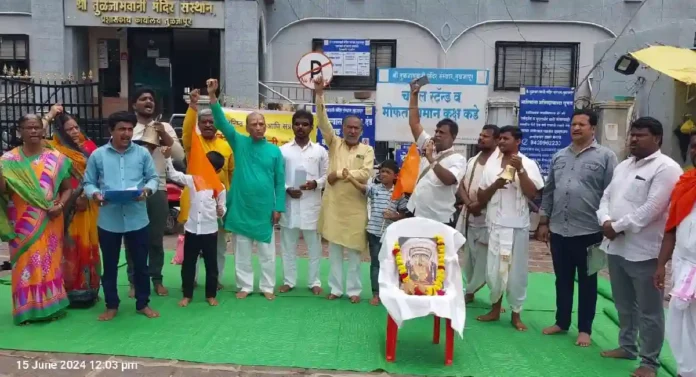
[(507, 183)]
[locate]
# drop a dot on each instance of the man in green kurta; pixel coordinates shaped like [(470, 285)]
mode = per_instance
[(255, 199)]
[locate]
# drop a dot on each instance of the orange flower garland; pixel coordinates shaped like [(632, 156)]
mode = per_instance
[(432, 290)]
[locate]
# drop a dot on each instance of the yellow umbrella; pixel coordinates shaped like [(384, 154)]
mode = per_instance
[(677, 63)]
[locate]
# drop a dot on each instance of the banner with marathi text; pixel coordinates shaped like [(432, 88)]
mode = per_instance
[(278, 124)]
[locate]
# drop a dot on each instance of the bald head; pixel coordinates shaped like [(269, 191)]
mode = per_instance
[(256, 125)]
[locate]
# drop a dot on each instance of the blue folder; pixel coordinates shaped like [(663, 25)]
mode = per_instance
[(121, 196)]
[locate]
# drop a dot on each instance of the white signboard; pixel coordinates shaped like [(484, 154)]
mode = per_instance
[(458, 94), (350, 57), (312, 65)]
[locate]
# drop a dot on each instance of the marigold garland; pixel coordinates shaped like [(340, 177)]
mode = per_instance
[(431, 290)]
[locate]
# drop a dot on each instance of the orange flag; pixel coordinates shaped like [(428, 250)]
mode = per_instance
[(204, 175), (408, 175)]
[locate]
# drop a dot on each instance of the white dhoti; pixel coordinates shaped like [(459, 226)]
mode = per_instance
[(681, 318), (353, 285), (506, 265), (221, 251), (244, 270), (288, 245), (475, 253)]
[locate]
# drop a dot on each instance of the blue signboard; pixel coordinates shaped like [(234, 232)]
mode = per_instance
[(336, 114), (350, 57), (400, 153), (545, 114)]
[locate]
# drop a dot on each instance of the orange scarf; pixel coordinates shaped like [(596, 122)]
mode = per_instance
[(683, 200), (79, 161), (204, 175)]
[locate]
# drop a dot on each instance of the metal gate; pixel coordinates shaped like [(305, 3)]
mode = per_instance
[(22, 94)]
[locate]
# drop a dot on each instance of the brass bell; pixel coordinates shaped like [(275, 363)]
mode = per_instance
[(508, 173)]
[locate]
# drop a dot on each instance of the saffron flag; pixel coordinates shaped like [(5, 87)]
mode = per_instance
[(204, 175), (408, 175)]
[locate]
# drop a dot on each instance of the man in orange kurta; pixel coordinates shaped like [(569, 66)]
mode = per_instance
[(211, 140)]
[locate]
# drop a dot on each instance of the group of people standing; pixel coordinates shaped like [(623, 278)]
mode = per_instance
[(54, 210), (589, 201)]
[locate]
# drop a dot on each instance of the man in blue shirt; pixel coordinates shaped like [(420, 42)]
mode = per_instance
[(129, 166)]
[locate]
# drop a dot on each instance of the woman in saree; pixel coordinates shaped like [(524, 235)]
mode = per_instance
[(35, 191), (81, 260)]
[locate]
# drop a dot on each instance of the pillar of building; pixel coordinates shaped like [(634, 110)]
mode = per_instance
[(47, 45), (240, 66)]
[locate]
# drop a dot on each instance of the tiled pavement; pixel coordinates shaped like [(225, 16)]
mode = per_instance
[(17, 363)]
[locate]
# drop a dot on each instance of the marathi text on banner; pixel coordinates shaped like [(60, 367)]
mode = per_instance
[(278, 124), (545, 115), (460, 95)]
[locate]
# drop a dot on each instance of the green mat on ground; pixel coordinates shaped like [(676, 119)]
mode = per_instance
[(301, 330)]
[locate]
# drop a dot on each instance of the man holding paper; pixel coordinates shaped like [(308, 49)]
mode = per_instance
[(633, 213), (305, 175), (130, 170), (578, 175), (679, 245)]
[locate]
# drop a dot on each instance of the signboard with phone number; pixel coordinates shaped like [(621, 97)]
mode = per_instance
[(336, 114)]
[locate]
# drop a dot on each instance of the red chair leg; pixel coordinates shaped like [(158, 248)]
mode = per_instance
[(392, 332), (436, 330), (449, 343)]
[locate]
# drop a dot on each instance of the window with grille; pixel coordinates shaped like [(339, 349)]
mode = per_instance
[(382, 55), (519, 64), (14, 53)]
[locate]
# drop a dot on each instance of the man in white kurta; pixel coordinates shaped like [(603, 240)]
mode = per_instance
[(679, 244), (472, 221), (507, 217), (306, 164)]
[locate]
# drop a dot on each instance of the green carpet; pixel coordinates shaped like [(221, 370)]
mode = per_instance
[(300, 330)]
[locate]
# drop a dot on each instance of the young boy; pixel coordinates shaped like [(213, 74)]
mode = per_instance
[(383, 212), (207, 207)]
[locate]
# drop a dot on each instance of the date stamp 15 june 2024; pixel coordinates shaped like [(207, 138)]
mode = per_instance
[(115, 365)]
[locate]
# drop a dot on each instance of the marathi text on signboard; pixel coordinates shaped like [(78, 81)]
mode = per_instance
[(458, 94), (166, 13), (545, 114), (337, 113), (350, 57)]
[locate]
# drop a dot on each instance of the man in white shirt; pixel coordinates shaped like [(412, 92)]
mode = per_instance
[(507, 217), (441, 168), (143, 103), (472, 221), (306, 164), (633, 213), (679, 245)]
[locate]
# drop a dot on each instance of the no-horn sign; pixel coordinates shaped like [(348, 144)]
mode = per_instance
[(311, 65)]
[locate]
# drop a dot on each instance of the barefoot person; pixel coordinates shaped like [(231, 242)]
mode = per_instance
[(143, 103), (344, 209), (207, 206), (472, 220), (122, 165), (303, 203), (35, 181), (577, 178), (633, 213), (441, 170), (507, 216), (211, 141), (679, 245), (383, 212), (256, 197)]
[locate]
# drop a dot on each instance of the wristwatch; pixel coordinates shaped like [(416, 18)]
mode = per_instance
[(521, 171)]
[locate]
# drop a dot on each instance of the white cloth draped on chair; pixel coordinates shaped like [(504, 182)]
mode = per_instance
[(401, 306)]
